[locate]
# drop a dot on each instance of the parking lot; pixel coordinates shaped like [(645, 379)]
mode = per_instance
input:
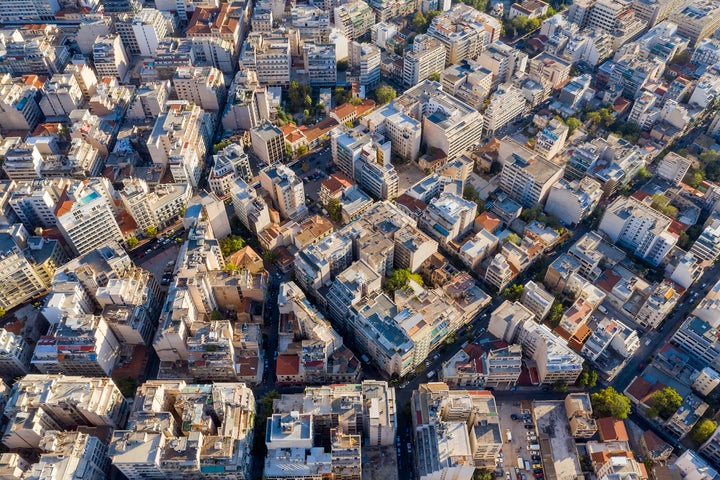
[(556, 441), (517, 419)]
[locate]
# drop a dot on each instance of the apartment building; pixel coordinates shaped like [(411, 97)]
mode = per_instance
[(29, 264), (157, 208), (503, 61), (251, 209), (320, 62), (636, 226), (268, 143), (551, 139), (707, 246), (654, 11), (536, 299), (182, 446), (216, 32), (697, 20), (286, 190), (448, 217), (673, 167), (658, 305), (448, 124), (425, 57), (403, 130), (527, 178), (506, 104), (180, 140), (468, 81), (317, 264), (149, 28), (203, 86), (86, 216), (40, 51), (348, 289), (15, 355), (28, 11), (580, 415), (464, 32), (61, 95), (365, 64), (229, 164), (554, 359), (109, 57), (354, 19), (268, 55), (572, 201), (550, 71), (18, 105), (73, 454)]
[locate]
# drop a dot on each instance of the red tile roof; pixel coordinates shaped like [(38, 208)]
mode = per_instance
[(287, 365), (611, 429)]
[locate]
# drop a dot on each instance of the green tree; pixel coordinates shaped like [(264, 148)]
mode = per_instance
[(334, 209), (643, 174), (384, 93), (127, 386), (556, 313), (151, 231), (483, 474), (434, 77), (514, 292), (573, 124), (302, 150), (399, 279), (3, 312), (588, 378), (299, 94), (132, 242), (512, 238), (694, 179), (216, 315), (559, 386), (683, 240), (341, 96), (220, 145), (609, 403), (231, 267), (664, 403), (231, 244), (450, 339), (662, 204), (419, 22), (269, 257), (702, 430)]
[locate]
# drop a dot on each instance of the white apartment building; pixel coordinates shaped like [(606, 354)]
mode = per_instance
[(70, 455), (658, 305), (638, 227), (697, 20), (365, 63), (555, 361), (536, 299), (15, 355), (320, 64), (157, 208), (180, 139), (551, 139), (448, 217), (61, 95), (251, 209), (464, 32), (506, 104), (425, 57), (403, 131), (286, 190), (86, 218), (229, 164), (204, 86), (527, 178), (18, 108), (673, 167), (268, 143), (247, 104), (149, 28), (29, 10), (354, 19), (268, 55), (503, 61), (109, 57), (34, 202), (572, 201), (707, 245)]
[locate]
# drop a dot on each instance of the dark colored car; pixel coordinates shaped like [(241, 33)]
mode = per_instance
[(529, 427)]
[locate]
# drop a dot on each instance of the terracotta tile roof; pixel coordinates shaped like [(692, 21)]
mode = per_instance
[(489, 221), (411, 203), (247, 259), (336, 182), (344, 110), (208, 20), (287, 365), (46, 128), (319, 129), (608, 280), (611, 429), (642, 390)]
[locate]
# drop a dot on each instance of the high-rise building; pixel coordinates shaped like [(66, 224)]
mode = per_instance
[(28, 263), (61, 95), (354, 19), (268, 143), (527, 178), (638, 227), (286, 190), (86, 216), (506, 104), (74, 454), (268, 55), (320, 64), (109, 57), (448, 217), (503, 61), (425, 57), (19, 109), (464, 32), (654, 11), (697, 20), (365, 63), (29, 10), (551, 139), (204, 86), (15, 355), (150, 28)]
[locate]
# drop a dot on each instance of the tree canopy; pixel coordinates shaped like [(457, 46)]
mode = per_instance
[(151, 231), (132, 242), (514, 292), (556, 313), (702, 430), (608, 402), (384, 93), (664, 403), (573, 124), (662, 204), (300, 96), (231, 244), (399, 278), (334, 209)]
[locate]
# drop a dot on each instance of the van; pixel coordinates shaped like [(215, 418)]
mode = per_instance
[(602, 309), (431, 374)]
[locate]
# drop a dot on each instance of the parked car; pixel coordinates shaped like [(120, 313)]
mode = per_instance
[(514, 417), (529, 427)]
